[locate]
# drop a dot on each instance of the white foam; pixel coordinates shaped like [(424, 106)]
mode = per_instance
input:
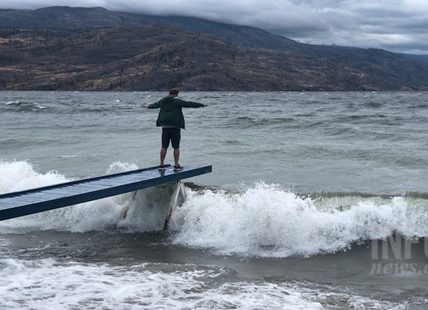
[(118, 167), (269, 221), (20, 175), (52, 284), (15, 102)]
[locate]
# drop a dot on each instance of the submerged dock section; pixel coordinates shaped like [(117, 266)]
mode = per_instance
[(47, 198)]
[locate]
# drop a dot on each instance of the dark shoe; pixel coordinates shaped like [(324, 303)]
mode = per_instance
[(178, 168), (162, 167)]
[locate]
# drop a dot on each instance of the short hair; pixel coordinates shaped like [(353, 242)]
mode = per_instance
[(173, 91)]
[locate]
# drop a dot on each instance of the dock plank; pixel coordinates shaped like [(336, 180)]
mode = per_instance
[(65, 194)]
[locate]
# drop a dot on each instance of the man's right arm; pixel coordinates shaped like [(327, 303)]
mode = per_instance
[(191, 104)]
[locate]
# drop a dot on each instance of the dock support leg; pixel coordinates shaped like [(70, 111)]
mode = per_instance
[(177, 199)]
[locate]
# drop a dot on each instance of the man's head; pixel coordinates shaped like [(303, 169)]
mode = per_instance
[(174, 92)]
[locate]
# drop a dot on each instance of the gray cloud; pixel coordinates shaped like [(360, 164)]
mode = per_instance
[(395, 25)]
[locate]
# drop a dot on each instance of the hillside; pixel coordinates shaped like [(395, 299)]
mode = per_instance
[(61, 48), (144, 57)]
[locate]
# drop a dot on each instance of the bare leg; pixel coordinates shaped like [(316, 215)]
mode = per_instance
[(176, 156), (162, 156)]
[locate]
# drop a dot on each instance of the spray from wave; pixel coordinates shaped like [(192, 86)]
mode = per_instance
[(262, 220), (268, 221)]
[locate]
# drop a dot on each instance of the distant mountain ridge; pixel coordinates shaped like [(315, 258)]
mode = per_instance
[(263, 61), (421, 58), (61, 17)]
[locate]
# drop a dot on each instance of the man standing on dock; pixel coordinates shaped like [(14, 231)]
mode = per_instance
[(171, 119)]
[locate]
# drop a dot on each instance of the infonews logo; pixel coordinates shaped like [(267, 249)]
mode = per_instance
[(390, 254)]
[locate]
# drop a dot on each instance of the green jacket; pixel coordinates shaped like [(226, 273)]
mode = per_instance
[(170, 111)]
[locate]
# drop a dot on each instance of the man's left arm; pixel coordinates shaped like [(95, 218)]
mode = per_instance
[(191, 104)]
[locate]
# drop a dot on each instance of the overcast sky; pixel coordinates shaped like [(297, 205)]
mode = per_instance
[(395, 25)]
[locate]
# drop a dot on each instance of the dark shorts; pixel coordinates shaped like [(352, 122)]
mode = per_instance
[(173, 135)]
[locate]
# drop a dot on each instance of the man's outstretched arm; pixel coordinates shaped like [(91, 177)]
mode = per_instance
[(152, 106), (191, 104)]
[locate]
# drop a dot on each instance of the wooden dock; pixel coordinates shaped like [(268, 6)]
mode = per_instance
[(42, 199)]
